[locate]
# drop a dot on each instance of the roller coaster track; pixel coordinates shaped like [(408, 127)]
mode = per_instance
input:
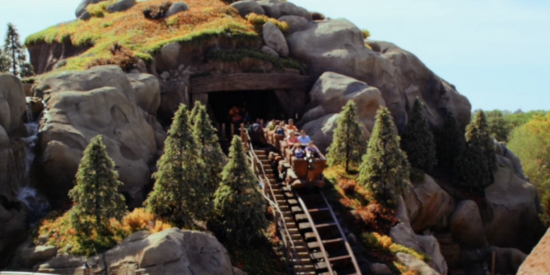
[(314, 241)]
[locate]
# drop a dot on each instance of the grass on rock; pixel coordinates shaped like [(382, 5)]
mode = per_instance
[(61, 234), (367, 218), (204, 20)]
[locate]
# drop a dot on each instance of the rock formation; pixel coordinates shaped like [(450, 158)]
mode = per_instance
[(537, 261), (102, 101), (13, 213), (171, 251)]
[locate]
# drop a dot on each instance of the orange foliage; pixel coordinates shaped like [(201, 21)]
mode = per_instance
[(383, 240), (141, 219)]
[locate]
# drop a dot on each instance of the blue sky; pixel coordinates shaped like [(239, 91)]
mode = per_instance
[(496, 52)]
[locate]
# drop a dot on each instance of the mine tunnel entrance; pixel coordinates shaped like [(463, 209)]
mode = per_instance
[(260, 104)]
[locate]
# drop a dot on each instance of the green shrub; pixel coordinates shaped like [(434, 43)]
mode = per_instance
[(98, 10), (260, 20), (366, 34)]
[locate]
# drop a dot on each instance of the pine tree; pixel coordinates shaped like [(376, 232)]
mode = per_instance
[(194, 112), (27, 70), (486, 140), (418, 141), (348, 142), (179, 193), (95, 195), (472, 166), (209, 149), (450, 142), (385, 169), (4, 62), (238, 202), (14, 50)]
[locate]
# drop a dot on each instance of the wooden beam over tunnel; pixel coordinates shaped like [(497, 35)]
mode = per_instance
[(250, 82)]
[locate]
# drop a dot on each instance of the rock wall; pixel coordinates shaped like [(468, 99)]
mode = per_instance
[(13, 214), (337, 46), (171, 251), (102, 100), (44, 57)]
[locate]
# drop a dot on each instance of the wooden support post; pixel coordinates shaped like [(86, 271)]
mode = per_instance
[(494, 262), (223, 131), (232, 130)]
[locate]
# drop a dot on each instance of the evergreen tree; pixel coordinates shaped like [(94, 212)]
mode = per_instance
[(194, 112), (472, 166), (450, 142), (239, 203), (179, 193), (486, 140), (499, 127), (95, 195), (209, 149), (4, 62), (27, 70), (385, 169), (348, 142), (14, 51), (418, 141)]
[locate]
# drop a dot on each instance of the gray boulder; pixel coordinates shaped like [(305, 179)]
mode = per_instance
[(147, 91), (85, 16), (338, 46), (467, 226), (170, 54), (82, 6), (430, 246), (509, 159), (171, 251), (295, 23), (330, 93), (84, 104), (429, 206), (270, 51), (274, 38), (247, 7), (512, 210), (415, 264), (276, 9), (380, 269), (176, 7), (121, 5)]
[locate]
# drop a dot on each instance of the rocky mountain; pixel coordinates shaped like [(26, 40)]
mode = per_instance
[(87, 90)]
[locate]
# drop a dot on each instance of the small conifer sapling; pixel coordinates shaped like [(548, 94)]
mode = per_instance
[(95, 195), (348, 144)]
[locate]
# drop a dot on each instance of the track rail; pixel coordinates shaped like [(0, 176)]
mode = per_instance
[(312, 219), (260, 173)]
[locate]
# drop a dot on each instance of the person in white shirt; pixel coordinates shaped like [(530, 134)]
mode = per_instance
[(303, 138)]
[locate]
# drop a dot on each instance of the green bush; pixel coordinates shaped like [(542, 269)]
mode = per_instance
[(98, 10), (366, 34), (260, 20)]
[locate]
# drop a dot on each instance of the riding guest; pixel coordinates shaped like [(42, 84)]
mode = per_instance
[(290, 127), (292, 139), (280, 130), (311, 150), (272, 124), (233, 112), (299, 152), (303, 138)]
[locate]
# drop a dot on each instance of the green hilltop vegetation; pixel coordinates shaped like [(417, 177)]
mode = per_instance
[(119, 38)]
